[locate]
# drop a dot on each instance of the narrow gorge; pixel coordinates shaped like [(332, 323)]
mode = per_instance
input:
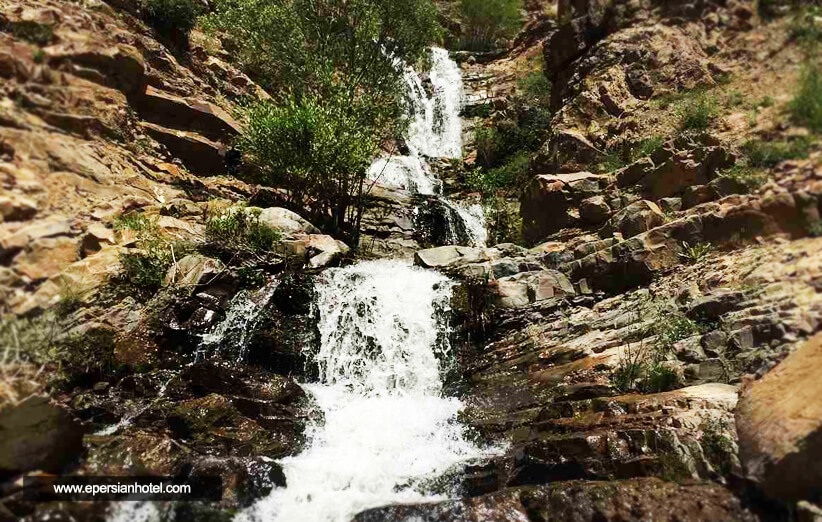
[(418, 260)]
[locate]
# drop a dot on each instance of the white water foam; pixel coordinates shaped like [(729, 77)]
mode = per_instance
[(435, 129), (387, 427)]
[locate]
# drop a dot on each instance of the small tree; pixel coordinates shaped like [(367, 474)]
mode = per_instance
[(489, 20)]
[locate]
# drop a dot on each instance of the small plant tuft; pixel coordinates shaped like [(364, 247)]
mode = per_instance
[(696, 253), (764, 154), (697, 112), (240, 228)]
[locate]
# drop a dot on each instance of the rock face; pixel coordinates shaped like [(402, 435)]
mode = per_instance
[(779, 419), (36, 434), (579, 502)]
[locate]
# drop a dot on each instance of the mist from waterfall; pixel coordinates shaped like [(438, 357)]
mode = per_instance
[(387, 428)]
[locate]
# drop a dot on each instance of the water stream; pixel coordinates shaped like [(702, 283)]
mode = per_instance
[(435, 131), (387, 429)]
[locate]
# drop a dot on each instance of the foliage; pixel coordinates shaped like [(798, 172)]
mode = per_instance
[(30, 31), (143, 271), (525, 130), (806, 106), (617, 159), (696, 253), (751, 178), (514, 174), (251, 278), (696, 112), (173, 16), (770, 153), (502, 220), (815, 229), (334, 66), (238, 228), (673, 327), (487, 21), (659, 378), (302, 47), (319, 150), (804, 27), (534, 85), (718, 447), (45, 339), (735, 98), (633, 359)]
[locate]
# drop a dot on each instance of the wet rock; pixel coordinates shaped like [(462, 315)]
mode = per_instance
[(245, 480), (579, 501), (36, 434), (780, 431)]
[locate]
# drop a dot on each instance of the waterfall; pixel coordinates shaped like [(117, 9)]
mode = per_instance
[(435, 131), (387, 427)]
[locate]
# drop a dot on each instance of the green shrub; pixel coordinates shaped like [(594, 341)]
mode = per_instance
[(671, 328), (238, 228), (527, 131), (735, 98), (487, 21), (806, 106), (696, 112), (30, 31), (487, 142), (502, 220), (659, 378), (763, 154), (145, 270), (751, 178), (173, 16), (319, 150), (251, 278), (135, 221), (804, 26), (696, 253)]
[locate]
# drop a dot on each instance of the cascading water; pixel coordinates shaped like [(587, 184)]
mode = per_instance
[(435, 131), (387, 427)]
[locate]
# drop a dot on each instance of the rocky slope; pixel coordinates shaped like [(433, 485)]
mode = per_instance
[(647, 353)]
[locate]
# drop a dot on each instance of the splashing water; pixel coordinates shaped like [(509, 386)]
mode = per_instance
[(387, 427), (435, 129)]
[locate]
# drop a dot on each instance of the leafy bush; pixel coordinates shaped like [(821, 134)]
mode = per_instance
[(238, 228), (135, 221), (696, 112), (487, 21), (806, 106), (502, 220), (659, 378), (526, 131), (173, 16), (30, 31), (145, 270), (333, 67), (770, 153), (320, 151)]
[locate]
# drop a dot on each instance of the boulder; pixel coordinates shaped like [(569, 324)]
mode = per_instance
[(194, 270), (17, 208), (45, 257), (637, 218), (529, 287), (53, 226), (549, 203), (36, 434), (779, 420), (685, 169), (120, 66), (451, 256), (287, 221), (594, 210)]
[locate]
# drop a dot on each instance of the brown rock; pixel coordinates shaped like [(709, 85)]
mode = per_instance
[(45, 257), (637, 218), (17, 208), (122, 66), (594, 210), (549, 202), (37, 435), (199, 154), (779, 420), (188, 114), (95, 238)]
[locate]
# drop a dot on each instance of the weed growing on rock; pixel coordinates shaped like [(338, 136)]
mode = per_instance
[(697, 253), (765, 154), (673, 327), (30, 31), (735, 98), (718, 447), (240, 228), (487, 21), (751, 178), (806, 106), (135, 221), (697, 112), (659, 378), (815, 229)]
